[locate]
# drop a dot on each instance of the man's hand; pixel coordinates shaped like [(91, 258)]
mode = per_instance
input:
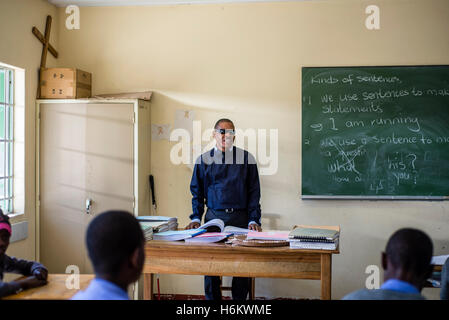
[(31, 282), (40, 274), (193, 225), (255, 227)]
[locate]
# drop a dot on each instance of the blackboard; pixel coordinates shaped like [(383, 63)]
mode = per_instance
[(375, 132)]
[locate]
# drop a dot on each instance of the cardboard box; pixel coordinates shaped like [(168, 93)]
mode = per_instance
[(65, 83)]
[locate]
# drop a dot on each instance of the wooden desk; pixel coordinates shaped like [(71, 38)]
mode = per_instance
[(55, 289), (219, 259)]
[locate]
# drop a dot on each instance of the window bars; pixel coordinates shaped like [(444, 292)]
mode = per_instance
[(6, 139)]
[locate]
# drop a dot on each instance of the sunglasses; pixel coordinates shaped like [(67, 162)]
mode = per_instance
[(224, 131)]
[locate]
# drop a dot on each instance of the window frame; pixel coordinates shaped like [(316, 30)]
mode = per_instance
[(7, 140)]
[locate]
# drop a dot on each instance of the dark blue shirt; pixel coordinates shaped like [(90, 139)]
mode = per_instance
[(226, 180)]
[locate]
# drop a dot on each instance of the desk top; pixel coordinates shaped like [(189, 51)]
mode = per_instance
[(55, 289), (204, 247)]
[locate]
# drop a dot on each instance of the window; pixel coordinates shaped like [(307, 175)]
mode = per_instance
[(6, 139)]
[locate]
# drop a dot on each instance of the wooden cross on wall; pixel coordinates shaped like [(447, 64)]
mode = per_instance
[(45, 39)]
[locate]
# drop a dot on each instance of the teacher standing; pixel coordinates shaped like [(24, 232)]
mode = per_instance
[(227, 181)]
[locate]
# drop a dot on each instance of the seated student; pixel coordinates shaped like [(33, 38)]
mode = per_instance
[(36, 271), (444, 293), (115, 244), (406, 263)]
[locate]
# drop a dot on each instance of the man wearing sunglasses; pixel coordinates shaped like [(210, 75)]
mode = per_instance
[(226, 180)]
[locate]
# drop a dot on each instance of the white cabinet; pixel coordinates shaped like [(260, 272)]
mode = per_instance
[(92, 155)]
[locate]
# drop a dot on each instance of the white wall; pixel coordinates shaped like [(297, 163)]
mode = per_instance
[(20, 48)]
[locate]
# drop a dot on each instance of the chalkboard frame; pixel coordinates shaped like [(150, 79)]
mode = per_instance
[(360, 197)]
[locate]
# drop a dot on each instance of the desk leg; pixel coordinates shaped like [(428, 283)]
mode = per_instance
[(148, 286), (326, 276)]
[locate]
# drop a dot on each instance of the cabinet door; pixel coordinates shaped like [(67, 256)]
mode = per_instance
[(86, 152), (109, 159)]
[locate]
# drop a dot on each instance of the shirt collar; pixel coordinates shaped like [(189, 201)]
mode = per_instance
[(399, 285), (109, 286), (230, 149)]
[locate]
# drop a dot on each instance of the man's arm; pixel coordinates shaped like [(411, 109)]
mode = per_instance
[(197, 190), (254, 211), (25, 267), (7, 288)]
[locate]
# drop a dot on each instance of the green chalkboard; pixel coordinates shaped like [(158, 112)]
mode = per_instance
[(375, 132)]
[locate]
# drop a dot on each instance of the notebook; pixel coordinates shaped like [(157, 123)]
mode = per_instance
[(314, 234), (294, 244), (268, 235)]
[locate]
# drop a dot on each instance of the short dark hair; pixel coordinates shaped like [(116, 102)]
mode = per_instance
[(411, 250), (112, 237), (223, 120)]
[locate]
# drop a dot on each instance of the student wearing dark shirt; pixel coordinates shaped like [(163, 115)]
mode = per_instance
[(226, 180), (37, 273)]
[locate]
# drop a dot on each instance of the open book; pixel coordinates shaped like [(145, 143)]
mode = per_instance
[(217, 225)]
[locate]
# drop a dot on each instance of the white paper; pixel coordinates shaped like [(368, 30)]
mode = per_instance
[(160, 131), (439, 260)]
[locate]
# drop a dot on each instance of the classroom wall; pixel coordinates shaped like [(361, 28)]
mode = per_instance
[(20, 48), (243, 61)]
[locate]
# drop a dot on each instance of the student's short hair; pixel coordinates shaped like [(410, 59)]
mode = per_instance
[(223, 120), (410, 249), (111, 238)]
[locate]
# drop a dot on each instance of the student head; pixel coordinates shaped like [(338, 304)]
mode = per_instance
[(5, 233), (407, 257), (115, 244), (224, 134)]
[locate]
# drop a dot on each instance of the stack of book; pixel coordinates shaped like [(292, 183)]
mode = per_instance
[(160, 223), (312, 237), (177, 235), (147, 229)]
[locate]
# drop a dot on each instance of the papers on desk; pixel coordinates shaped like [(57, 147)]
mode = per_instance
[(177, 235), (209, 237), (160, 223), (235, 230), (268, 235), (147, 229), (439, 260)]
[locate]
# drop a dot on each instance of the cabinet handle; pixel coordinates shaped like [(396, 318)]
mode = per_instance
[(88, 205)]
